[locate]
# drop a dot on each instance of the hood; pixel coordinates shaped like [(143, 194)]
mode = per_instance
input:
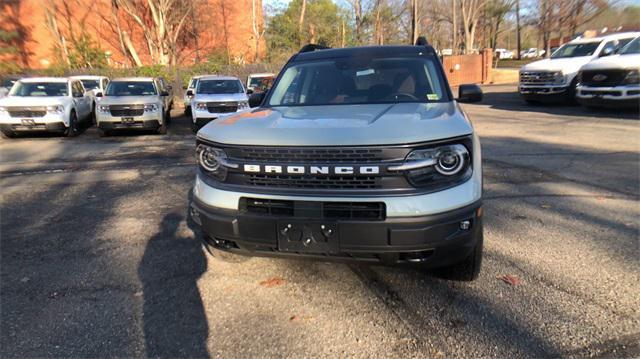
[(340, 125), (129, 100), (32, 101), (627, 62), (566, 65), (221, 97)]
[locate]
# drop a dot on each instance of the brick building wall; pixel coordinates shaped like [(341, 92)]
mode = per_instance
[(220, 24)]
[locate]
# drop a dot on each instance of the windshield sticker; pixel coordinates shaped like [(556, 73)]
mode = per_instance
[(432, 97), (365, 72)]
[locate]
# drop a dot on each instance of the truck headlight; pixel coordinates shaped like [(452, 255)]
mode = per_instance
[(150, 107), (103, 108), (56, 109), (558, 77), (201, 106), (632, 78), (438, 167), (243, 105), (213, 161)]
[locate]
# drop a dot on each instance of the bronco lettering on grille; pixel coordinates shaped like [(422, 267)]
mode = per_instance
[(314, 170)]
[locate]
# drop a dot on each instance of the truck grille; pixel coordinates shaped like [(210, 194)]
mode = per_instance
[(316, 155), (536, 78), (27, 111), (603, 78), (308, 182), (375, 211), (222, 107), (126, 110)]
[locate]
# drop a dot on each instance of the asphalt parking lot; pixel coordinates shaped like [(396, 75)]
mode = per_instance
[(98, 257)]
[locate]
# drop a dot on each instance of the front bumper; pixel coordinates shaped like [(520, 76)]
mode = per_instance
[(49, 123), (544, 92), (148, 121), (615, 97), (433, 240)]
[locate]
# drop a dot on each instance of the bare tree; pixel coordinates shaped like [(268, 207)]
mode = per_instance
[(257, 25), (161, 22), (470, 11)]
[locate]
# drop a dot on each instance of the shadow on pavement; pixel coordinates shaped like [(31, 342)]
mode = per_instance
[(511, 101), (175, 323)]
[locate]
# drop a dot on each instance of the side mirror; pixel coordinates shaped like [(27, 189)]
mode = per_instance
[(164, 93), (469, 93), (99, 94), (249, 91), (256, 99), (189, 92), (609, 50)]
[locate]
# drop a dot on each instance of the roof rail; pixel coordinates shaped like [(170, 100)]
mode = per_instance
[(312, 47), (422, 41)]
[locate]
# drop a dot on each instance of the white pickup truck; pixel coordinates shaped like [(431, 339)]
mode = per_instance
[(613, 81), (555, 78)]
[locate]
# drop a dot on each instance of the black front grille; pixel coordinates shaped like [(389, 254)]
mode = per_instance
[(372, 211), (603, 78), (126, 110), (317, 155), (222, 107), (27, 111), (309, 182)]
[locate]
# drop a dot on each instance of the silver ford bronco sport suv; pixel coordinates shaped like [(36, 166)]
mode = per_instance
[(355, 154)]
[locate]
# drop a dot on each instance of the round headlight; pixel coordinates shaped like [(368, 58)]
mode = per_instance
[(209, 160), (451, 159)]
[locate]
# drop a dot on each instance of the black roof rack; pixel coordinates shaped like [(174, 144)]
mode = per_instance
[(422, 41), (312, 47)]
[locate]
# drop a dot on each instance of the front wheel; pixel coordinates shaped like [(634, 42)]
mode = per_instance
[(8, 134), (468, 269), (162, 130), (72, 130)]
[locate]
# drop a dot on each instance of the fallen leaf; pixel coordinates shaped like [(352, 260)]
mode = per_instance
[(510, 279), (272, 282)]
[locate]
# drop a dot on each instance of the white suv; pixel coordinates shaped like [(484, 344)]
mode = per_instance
[(216, 96), (555, 78), (45, 104), (613, 81)]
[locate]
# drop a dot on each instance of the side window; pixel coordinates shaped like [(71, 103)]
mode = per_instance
[(609, 46), (622, 43)]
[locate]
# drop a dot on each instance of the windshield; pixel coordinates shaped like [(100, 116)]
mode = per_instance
[(360, 81), (39, 89), (212, 87), (632, 48), (131, 88), (90, 84), (575, 50)]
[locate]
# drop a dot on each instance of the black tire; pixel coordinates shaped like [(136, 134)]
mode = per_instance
[(92, 115), (194, 127), (162, 130), (571, 91), (8, 134), (187, 111), (72, 130), (102, 133), (468, 269)]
